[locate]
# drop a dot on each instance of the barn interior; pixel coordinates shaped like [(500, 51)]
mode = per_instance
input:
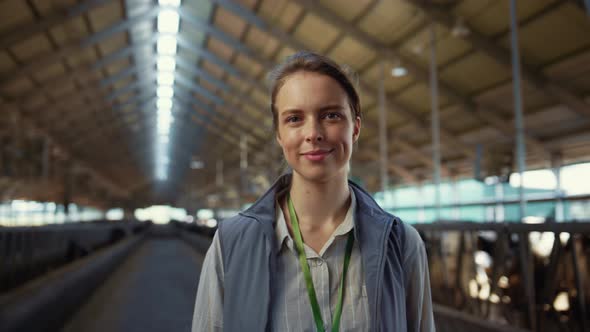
[(131, 128)]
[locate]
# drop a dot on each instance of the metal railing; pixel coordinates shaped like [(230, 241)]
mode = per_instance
[(27, 252), (531, 276)]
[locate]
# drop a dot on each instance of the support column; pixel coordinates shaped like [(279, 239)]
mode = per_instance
[(422, 211), (435, 121), (219, 173), (45, 159), (456, 199), (556, 163), (517, 92), (383, 149), (67, 193), (499, 195)]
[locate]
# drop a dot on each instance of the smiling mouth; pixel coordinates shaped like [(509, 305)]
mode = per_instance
[(317, 155)]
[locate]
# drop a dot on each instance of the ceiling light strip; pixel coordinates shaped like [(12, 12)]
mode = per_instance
[(168, 24)]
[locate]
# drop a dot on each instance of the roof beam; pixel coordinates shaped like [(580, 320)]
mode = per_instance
[(83, 70), (184, 81), (413, 67), (28, 30), (251, 18), (502, 56), (48, 58), (113, 187), (181, 62)]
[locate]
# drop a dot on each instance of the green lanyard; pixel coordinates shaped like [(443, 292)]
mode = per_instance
[(317, 315)]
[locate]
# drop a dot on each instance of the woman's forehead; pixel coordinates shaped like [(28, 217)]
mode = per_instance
[(308, 87)]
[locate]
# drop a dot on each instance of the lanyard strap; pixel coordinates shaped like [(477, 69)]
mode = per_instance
[(315, 307)]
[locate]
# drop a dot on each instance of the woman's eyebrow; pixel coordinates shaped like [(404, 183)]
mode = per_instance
[(332, 107), (329, 107), (290, 111)]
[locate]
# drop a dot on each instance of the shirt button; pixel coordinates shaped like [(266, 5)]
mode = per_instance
[(320, 262)]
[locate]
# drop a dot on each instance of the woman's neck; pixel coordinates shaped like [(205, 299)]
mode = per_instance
[(320, 207)]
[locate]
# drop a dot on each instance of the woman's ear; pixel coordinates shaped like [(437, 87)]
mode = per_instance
[(278, 138), (356, 131)]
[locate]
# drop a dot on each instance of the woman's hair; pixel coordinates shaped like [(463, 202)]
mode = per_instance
[(315, 63)]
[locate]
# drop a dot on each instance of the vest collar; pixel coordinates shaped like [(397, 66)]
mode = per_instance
[(264, 211)]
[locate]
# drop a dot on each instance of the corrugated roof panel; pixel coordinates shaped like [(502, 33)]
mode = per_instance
[(6, 63), (461, 74), (352, 53), (106, 15), (31, 48), (246, 3), (37, 102), (284, 53), (503, 97), (212, 68), (307, 32), (392, 84), (113, 44), (388, 19), (348, 12), (202, 8), (191, 34), (208, 86), (118, 66), (262, 42), (563, 31), (84, 57), (61, 90), (70, 31), (417, 97), (123, 83), (448, 47), (14, 13), (126, 97), (228, 22), (282, 14), (17, 86), (47, 7), (187, 56), (492, 17), (248, 66), (49, 72), (455, 119), (220, 49), (260, 97), (237, 84)]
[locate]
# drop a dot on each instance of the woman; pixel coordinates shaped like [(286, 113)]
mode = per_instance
[(315, 252)]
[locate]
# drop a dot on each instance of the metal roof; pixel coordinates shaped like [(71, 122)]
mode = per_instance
[(78, 90)]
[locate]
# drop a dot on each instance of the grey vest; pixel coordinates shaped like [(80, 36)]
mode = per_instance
[(250, 253)]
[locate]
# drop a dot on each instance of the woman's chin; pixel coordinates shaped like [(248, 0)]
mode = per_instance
[(319, 174)]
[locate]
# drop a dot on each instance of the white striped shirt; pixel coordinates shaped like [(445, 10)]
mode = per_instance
[(292, 309)]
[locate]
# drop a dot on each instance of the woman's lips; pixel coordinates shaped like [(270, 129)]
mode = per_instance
[(317, 155)]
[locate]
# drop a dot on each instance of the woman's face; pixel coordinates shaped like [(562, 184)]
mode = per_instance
[(315, 125)]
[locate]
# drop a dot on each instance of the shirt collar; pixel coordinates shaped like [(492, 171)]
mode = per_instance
[(282, 231)]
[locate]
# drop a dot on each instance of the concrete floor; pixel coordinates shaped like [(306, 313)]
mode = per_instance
[(153, 290)]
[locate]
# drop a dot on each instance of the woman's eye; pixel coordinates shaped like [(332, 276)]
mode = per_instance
[(292, 118), (332, 116)]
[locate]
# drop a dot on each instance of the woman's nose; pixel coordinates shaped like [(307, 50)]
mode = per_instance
[(314, 132)]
